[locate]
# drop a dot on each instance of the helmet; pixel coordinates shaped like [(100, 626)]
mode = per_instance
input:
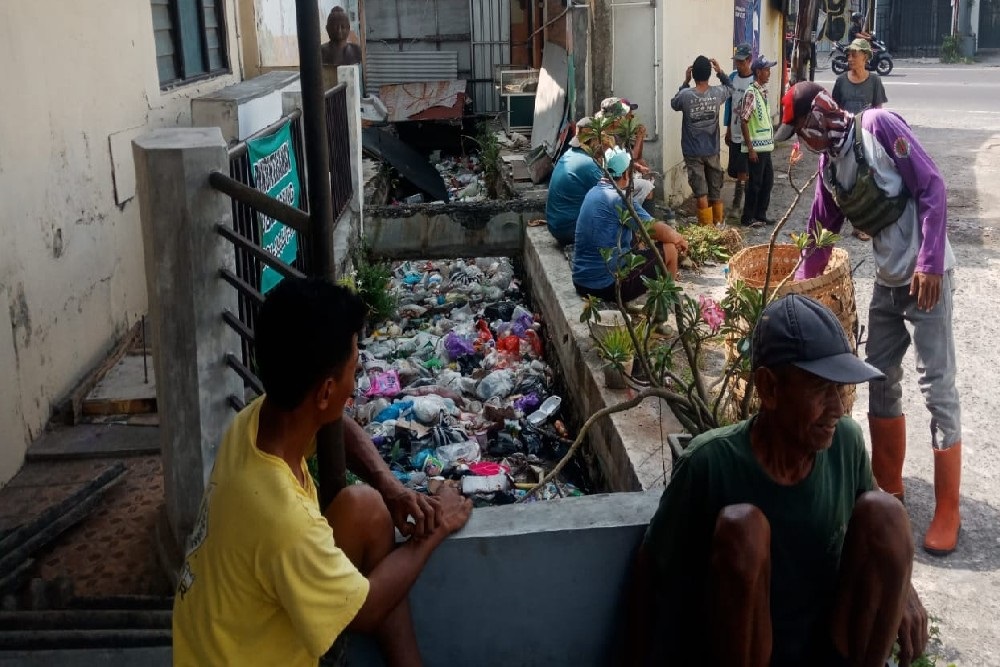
[(856, 17)]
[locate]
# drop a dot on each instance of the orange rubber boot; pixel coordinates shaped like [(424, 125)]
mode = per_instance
[(888, 451), (718, 213), (705, 216), (942, 535)]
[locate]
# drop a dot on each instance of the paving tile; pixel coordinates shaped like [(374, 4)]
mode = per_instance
[(113, 551)]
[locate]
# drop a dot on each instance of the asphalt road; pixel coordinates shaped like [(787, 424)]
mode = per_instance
[(955, 113)]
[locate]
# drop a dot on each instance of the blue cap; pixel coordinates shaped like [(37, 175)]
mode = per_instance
[(801, 331), (617, 160), (760, 62)]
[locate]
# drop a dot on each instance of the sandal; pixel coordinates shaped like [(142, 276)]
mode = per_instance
[(860, 235)]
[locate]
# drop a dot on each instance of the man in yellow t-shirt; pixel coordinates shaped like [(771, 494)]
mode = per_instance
[(266, 581)]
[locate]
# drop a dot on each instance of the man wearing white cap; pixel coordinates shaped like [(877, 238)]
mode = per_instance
[(599, 227)]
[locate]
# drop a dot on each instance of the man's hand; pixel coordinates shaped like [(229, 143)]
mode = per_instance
[(641, 168), (678, 240), (752, 154), (715, 66), (687, 76), (455, 510), (927, 288), (913, 631), (404, 503), (729, 137)]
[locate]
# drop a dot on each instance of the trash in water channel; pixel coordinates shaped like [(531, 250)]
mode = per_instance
[(456, 389)]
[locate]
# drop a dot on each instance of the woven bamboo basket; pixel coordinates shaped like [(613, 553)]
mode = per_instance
[(834, 289)]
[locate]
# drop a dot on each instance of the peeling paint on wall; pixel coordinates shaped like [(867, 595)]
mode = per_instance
[(20, 317)]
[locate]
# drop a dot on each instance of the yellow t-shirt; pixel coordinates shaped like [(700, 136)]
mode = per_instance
[(263, 582)]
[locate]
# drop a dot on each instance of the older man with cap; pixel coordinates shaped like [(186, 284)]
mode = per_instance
[(599, 226), (741, 78), (771, 545), (875, 173), (758, 144), (858, 89), (617, 109), (574, 175)]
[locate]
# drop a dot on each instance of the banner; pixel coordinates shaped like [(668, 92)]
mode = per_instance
[(746, 24), (272, 161)]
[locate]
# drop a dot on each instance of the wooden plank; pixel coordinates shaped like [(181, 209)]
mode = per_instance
[(70, 410)]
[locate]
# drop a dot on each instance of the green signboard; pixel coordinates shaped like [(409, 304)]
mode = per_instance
[(274, 172)]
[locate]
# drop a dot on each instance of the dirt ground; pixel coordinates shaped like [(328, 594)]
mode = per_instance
[(961, 591)]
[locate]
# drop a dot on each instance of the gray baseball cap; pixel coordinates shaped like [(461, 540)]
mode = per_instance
[(801, 331), (742, 51)]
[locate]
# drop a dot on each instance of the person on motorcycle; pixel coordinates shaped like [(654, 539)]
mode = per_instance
[(857, 28)]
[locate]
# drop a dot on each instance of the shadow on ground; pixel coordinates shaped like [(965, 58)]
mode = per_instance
[(977, 544)]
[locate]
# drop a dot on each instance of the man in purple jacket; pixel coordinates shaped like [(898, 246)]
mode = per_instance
[(874, 172)]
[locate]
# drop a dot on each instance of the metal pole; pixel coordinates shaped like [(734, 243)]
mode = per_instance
[(330, 439), (317, 148), (805, 16)]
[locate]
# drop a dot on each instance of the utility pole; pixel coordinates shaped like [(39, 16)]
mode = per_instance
[(805, 17)]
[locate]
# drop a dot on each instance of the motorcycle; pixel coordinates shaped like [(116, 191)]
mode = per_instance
[(880, 62)]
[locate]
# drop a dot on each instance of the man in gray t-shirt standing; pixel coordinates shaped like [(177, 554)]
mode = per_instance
[(700, 135)]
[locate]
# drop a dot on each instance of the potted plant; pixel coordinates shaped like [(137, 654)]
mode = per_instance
[(616, 349)]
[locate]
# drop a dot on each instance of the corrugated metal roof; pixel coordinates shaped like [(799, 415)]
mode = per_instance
[(409, 66)]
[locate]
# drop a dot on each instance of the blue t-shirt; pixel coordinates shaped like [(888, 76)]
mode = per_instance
[(574, 175), (598, 226)]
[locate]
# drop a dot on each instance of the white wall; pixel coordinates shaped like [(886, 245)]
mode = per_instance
[(80, 81), (690, 28)]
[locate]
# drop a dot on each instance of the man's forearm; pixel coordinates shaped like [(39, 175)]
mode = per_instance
[(392, 579), (363, 457)]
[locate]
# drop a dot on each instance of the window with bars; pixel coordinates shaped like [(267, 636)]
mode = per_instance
[(190, 39)]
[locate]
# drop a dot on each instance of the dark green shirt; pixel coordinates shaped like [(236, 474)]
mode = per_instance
[(808, 524)]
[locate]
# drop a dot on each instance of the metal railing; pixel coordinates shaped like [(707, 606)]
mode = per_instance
[(250, 257), (339, 141)]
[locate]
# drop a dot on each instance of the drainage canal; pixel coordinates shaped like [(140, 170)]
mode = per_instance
[(454, 386)]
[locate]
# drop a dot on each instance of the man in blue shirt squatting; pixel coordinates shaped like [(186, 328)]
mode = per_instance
[(772, 546), (574, 175), (599, 226)]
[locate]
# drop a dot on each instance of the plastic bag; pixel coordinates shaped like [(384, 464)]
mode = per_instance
[(428, 409), (460, 452), (384, 384), (527, 403), (394, 411), (497, 384), (457, 347), (510, 345)]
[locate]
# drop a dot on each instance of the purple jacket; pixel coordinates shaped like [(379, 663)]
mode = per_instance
[(904, 161)]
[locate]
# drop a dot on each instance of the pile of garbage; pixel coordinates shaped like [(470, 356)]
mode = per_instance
[(463, 175), (457, 391)]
